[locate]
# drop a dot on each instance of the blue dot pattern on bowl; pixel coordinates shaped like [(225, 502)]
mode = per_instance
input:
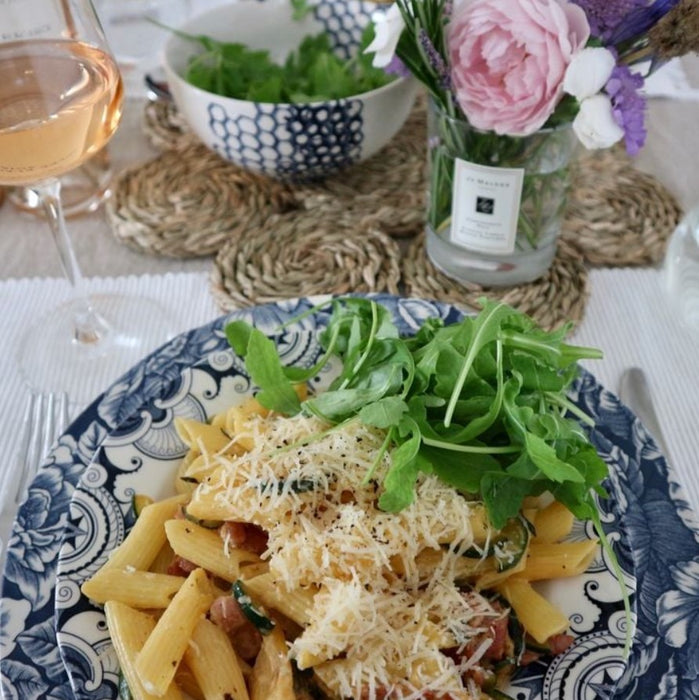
[(298, 141), (344, 22)]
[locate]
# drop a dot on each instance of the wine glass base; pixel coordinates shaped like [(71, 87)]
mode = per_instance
[(83, 190), (51, 359)]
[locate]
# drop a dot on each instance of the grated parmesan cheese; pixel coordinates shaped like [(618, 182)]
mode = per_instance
[(379, 618)]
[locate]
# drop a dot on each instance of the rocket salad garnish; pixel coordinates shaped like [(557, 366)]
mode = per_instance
[(311, 73), (481, 403)]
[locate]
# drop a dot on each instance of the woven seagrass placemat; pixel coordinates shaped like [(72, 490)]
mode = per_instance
[(164, 127), (618, 215), (188, 202), (185, 203), (292, 255), (552, 300)]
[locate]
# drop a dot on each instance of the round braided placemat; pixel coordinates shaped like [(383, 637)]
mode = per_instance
[(294, 255), (164, 126), (618, 215), (186, 203), (552, 300)]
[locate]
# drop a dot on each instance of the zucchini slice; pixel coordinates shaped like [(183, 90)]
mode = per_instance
[(507, 546), (263, 623), (295, 485), (510, 544), (139, 502), (208, 524), (124, 690)]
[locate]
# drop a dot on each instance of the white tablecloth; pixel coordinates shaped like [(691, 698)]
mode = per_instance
[(627, 317)]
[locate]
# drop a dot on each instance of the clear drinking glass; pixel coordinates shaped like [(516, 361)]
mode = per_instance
[(60, 103), (134, 36), (681, 270), (496, 203)]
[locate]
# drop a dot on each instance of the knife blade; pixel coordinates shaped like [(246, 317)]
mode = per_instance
[(634, 391)]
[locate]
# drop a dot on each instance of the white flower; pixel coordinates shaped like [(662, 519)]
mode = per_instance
[(594, 124), (588, 72), (388, 27)]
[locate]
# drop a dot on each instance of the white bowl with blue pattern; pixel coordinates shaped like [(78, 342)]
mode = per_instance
[(287, 141)]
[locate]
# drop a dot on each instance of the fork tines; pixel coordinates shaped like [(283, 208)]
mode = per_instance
[(45, 416)]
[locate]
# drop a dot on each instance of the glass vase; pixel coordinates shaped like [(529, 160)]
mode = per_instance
[(496, 203)]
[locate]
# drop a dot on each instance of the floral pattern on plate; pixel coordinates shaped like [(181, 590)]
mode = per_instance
[(660, 532)]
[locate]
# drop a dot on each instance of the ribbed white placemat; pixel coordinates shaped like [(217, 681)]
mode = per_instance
[(186, 295), (22, 300), (629, 317)]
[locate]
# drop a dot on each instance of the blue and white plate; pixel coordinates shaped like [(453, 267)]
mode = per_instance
[(126, 437)]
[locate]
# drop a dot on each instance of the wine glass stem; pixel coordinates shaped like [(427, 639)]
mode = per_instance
[(88, 326)]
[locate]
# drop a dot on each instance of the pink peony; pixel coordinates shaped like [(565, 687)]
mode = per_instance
[(509, 59)]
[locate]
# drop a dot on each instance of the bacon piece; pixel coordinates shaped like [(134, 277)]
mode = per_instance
[(227, 614), (180, 566), (558, 643), (498, 632), (529, 657), (247, 536)]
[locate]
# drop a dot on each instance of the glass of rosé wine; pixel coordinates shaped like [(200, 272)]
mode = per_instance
[(60, 103)]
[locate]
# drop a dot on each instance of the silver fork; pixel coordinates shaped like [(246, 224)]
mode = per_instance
[(45, 417)]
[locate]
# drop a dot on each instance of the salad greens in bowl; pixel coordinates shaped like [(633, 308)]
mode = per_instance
[(283, 87)]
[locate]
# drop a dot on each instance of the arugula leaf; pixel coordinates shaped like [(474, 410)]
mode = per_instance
[(238, 336), (406, 465), (545, 458), (265, 368), (503, 495), (384, 413), (313, 72), (485, 329), (301, 9), (463, 472)]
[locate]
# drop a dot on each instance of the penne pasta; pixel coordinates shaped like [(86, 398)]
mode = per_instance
[(295, 604), (206, 504), (553, 523), (163, 650), (205, 548), (202, 437), (272, 676), (562, 560), (215, 665), (138, 589), (490, 579), (147, 536), (187, 683), (129, 630), (541, 619), (163, 560)]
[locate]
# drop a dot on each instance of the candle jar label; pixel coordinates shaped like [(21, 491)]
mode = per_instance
[(485, 207)]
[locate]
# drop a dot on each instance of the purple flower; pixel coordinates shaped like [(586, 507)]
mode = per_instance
[(397, 67), (640, 20), (606, 15), (628, 106), (435, 60)]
